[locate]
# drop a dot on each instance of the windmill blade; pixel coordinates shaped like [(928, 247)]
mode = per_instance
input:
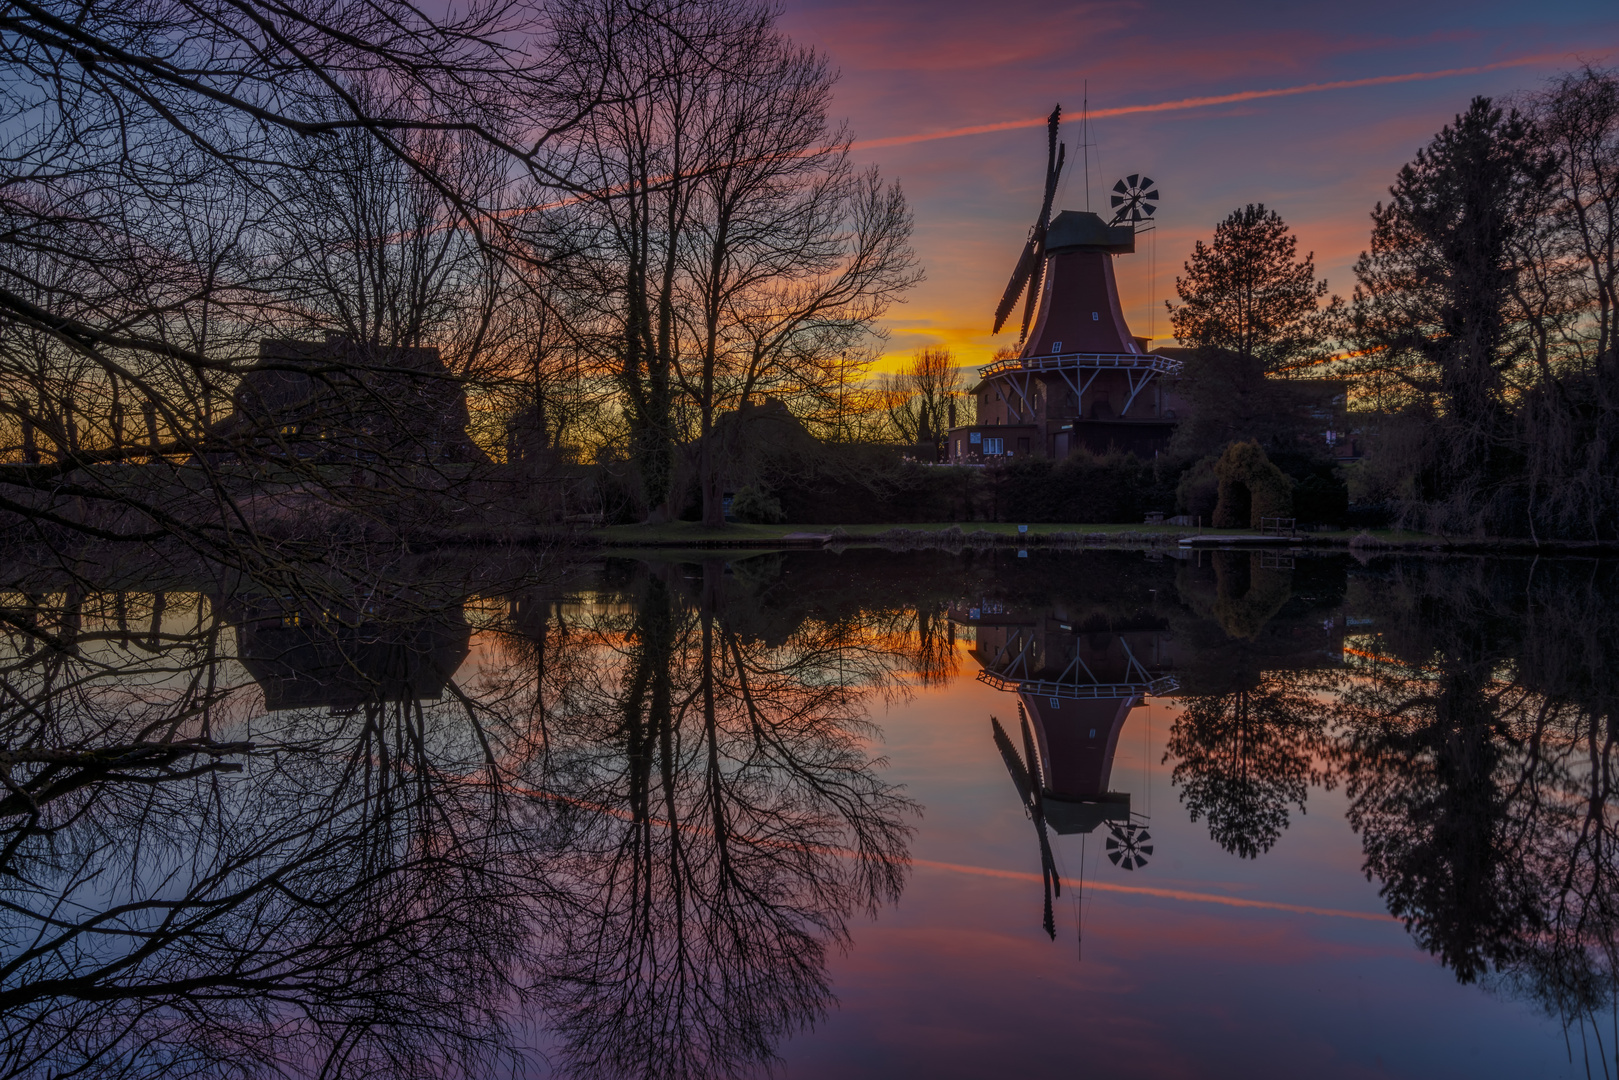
[(1035, 772), (1049, 922), (1031, 264), (1033, 301), (1059, 154), (1028, 792), (1020, 275), (1054, 156), (1014, 764), (1048, 863)]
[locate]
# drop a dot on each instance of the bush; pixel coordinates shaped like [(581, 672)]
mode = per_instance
[(1251, 488), (757, 507), (1089, 489), (1198, 490), (850, 485)]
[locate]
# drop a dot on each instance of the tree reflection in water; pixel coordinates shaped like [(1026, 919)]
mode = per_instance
[(1252, 723), (1478, 747), (642, 823), (1474, 731), (341, 890), (724, 821), (1245, 757), (642, 815)]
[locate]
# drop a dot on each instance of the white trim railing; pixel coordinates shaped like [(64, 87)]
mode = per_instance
[(1154, 362), (1159, 687)]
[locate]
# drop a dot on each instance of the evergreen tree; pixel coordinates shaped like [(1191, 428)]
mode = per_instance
[(1433, 308), (1250, 294)]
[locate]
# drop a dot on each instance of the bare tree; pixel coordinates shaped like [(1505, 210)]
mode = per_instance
[(922, 399), (740, 247)]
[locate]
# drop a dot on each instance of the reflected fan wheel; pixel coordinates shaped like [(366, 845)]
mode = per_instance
[(1129, 845)]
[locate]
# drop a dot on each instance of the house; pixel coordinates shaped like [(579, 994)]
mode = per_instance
[(342, 400)]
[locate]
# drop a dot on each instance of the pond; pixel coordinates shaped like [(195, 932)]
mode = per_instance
[(854, 813)]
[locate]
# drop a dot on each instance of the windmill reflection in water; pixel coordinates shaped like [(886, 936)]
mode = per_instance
[(1075, 687)]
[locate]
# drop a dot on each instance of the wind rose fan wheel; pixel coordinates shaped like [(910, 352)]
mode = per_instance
[(1129, 845), (1134, 200)]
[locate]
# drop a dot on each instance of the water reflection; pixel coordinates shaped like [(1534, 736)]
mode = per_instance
[(1260, 640), (1467, 708), (638, 819), (722, 820), (408, 824), (1478, 748), (1077, 676)]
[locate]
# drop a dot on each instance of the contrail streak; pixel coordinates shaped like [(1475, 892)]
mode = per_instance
[(1203, 102), (1167, 894)]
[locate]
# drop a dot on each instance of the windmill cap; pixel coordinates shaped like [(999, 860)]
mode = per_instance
[(1082, 229)]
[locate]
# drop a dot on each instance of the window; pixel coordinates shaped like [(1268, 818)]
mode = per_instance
[(993, 446), (1023, 447)]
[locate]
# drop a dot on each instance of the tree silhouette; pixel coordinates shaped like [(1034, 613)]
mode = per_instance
[(1246, 755), (1249, 294)]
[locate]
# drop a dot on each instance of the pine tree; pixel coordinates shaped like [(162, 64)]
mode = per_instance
[(1249, 293)]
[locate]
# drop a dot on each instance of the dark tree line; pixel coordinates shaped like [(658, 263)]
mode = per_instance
[(1478, 352), (612, 222)]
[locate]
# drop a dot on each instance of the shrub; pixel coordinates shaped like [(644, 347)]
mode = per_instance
[(1251, 488), (1088, 489), (757, 507), (1198, 490)]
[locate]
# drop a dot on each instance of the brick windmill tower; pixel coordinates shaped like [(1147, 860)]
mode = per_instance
[(1080, 378)]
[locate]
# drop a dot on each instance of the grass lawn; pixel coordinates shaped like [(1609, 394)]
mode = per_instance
[(691, 532)]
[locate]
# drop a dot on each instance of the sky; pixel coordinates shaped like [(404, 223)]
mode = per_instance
[(1321, 156)]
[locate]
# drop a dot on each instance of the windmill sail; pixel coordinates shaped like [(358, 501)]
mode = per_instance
[(1020, 274), (1014, 764), (1027, 781), (1030, 269)]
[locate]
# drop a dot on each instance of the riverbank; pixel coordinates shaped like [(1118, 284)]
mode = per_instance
[(687, 534)]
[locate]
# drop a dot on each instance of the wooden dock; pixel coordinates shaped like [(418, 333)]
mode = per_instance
[(1248, 540)]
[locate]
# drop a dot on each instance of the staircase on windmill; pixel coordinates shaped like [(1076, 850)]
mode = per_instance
[(1080, 378)]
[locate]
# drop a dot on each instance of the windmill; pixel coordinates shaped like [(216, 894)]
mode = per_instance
[(1134, 200), (1032, 263)]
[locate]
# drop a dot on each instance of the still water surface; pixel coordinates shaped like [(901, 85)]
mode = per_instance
[(862, 814)]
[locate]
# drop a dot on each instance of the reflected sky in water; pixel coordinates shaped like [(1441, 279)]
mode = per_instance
[(858, 812)]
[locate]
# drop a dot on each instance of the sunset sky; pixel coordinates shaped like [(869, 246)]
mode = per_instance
[(1320, 157)]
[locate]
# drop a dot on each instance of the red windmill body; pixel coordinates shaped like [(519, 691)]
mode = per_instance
[(1081, 378)]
